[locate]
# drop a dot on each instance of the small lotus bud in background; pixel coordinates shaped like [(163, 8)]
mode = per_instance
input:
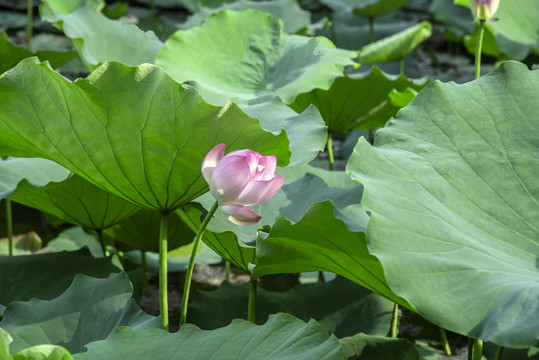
[(484, 9), (239, 179)]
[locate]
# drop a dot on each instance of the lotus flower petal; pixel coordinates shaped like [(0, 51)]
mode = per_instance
[(240, 215)]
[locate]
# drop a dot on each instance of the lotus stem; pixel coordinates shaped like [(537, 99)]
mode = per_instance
[(163, 274), (477, 349), (145, 273), (371, 29), (321, 277), (227, 270), (329, 147), (401, 66), (447, 348), (478, 49), (191, 266), (394, 321), (102, 242), (30, 23), (251, 308), (499, 353), (470, 348), (9, 226)]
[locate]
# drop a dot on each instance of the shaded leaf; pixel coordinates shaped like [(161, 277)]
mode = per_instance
[(368, 8), (23, 244), (363, 346)]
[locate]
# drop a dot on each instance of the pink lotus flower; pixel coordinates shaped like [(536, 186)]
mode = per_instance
[(241, 178), (484, 9)]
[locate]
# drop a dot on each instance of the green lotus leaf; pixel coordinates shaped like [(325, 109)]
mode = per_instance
[(517, 30), (363, 346), (132, 131), (73, 239), (368, 8), (398, 46), (39, 352), (38, 172), (97, 38), (89, 310), (233, 242), (23, 244), (76, 201), (358, 101), (456, 19), (293, 16), (266, 62), (141, 232), (322, 241), (454, 206), (342, 307), (283, 337), (46, 276)]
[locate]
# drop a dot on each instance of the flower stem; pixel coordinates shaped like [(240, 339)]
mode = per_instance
[(251, 308), (191, 266), (447, 349), (371, 29), (30, 23), (499, 353), (9, 225), (477, 349), (394, 322), (478, 48), (329, 147), (163, 274), (102, 242)]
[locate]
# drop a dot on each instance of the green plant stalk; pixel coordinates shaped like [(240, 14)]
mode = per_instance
[(145, 273), (102, 242), (394, 322), (9, 226), (30, 23), (477, 349), (191, 265), (447, 348), (329, 147), (251, 307), (478, 49), (163, 274), (401, 67), (470, 348), (371, 29), (321, 277), (499, 353), (227, 270)]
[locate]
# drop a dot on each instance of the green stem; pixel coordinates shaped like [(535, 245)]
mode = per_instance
[(163, 274), (152, 8), (394, 322), (371, 29), (477, 349), (499, 353), (227, 270), (321, 277), (470, 348), (478, 47), (145, 274), (191, 266), (30, 23), (251, 308), (329, 147), (447, 349), (102, 242), (9, 224), (401, 67)]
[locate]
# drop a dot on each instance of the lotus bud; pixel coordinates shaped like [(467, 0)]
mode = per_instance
[(240, 179), (484, 9)]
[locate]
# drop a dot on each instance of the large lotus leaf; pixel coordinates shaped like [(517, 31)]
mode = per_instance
[(283, 337), (97, 38), (342, 307), (76, 201), (363, 346), (451, 187), (245, 56), (46, 276), (39, 352), (132, 131), (73, 239), (89, 310), (141, 232), (10, 55), (517, 30), (368, 8), (358, 101), (397, 46), (322, 241), (38, 172), (229, 240), (293, 16)]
